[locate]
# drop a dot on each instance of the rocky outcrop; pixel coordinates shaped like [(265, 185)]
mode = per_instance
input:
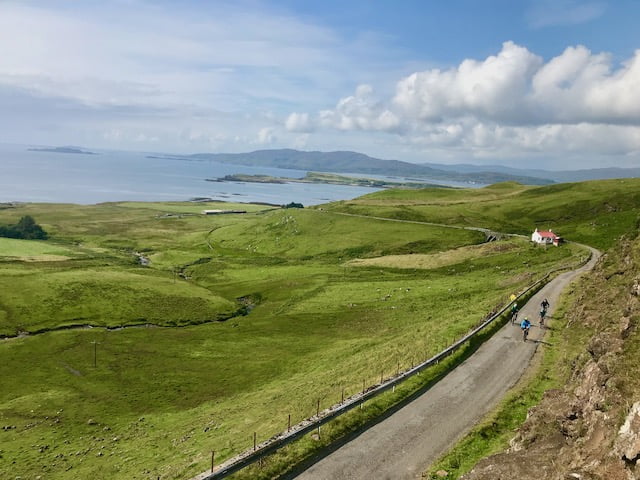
[(627, 445), (591, 428)]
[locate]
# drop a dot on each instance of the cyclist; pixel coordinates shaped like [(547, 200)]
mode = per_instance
[(543, 313), (525, 325), (514, 313), (545, 304)]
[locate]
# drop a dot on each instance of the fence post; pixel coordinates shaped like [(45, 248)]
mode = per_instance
[(342, 400), (254, 441), (289, 424), (213, 456)]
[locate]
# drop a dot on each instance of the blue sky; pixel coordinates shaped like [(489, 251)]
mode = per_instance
[(553, 84)]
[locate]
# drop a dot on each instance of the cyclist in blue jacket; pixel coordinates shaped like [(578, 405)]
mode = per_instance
[(525, 325)]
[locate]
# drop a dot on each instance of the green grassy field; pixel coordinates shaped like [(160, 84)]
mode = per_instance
[(596, 213), (34, 250), (331, 301)]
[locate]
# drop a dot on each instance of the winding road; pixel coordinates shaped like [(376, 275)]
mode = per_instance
[(403, 445)]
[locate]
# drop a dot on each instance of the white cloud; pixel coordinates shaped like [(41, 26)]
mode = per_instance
[(361, 111), (579, 86), (266, 136), (510, 104), (299, 122), (133, 67), (125, 74), (229, 57), (492, 88)]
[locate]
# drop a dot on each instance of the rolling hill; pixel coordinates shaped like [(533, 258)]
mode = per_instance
[(353, 162)]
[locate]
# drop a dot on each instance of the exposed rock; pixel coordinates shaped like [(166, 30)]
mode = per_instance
[(628, 441)]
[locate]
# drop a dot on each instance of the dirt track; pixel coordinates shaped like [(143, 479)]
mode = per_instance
[(403, 445)]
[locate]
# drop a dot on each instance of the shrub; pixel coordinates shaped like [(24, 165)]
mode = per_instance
[(26, 229)]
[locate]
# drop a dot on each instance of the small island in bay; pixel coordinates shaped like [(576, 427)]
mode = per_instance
[(326, 178), (62, 150)]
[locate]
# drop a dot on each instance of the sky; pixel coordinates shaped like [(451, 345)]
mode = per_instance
[(526, 83)]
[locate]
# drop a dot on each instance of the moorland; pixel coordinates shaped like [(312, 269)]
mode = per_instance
[(111, 368)]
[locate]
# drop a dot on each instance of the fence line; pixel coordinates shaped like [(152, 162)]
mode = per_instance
[(294, 432)]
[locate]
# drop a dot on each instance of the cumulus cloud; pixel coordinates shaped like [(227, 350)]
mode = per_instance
[(299, 122), (361, 111), (580, 86), (517, 87), (506, 104), (495, 87)]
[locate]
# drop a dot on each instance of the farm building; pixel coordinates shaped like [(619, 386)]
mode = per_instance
[(221, 212), (546, 237)]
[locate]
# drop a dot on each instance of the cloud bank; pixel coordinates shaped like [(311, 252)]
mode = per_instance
[(141, 74), (511, 103)]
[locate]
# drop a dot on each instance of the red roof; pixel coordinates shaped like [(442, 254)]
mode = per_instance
[(548, 234)]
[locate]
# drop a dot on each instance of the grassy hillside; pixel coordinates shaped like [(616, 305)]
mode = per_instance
[(34, 250), (596, 213), (324, 302)]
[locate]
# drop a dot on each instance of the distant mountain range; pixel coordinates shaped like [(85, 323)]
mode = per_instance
[(353, 162), (560, 176)]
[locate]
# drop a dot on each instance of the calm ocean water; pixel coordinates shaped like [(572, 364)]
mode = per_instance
[(28, 176)]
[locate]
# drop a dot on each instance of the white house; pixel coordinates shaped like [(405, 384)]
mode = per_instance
[(546, 237)]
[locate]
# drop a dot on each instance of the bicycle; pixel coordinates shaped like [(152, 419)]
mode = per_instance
[(543, 314), (525, 326), (514, 313)]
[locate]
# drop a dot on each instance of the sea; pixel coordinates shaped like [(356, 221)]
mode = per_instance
[(28, 175), (114, 176)]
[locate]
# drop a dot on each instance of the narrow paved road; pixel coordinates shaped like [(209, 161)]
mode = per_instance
[(406, 443)]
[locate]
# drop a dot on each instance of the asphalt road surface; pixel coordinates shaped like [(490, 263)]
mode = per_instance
[(404, 445)]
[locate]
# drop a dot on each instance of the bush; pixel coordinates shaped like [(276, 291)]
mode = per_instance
[(26, 229)]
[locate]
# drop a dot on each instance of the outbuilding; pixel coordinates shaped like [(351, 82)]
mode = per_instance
[(221, 212), (546, 237)]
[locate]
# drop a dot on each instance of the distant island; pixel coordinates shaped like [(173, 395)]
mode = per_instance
[(325, 178), (62, 150)]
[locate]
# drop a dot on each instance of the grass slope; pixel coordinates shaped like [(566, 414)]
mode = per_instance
[(596, 213), (33, 250), (158, 400)]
